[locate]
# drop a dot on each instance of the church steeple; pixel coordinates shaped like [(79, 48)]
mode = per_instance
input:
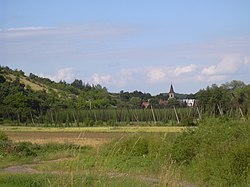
[(171, 92)]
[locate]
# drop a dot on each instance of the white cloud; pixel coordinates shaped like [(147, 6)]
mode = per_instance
[(184, 69), (211, 70), (101, 79), (216, 78), (80, 32), (156, 74), (228, 65), (28, 28), (247, 60), (66, 74)]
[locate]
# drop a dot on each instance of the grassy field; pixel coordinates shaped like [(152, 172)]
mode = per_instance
[(84, 136), (216, 153), (93, 139), (92, 129), (91, 136)]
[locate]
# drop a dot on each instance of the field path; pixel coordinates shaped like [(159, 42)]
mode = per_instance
[(29, 169)]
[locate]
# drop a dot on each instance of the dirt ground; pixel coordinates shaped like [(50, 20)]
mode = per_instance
[(84, 138)]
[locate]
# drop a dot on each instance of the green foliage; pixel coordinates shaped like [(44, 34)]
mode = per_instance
[(41, 180), (26, 149), (216, 153), (3, 136), (225, 99), (24, 180), (185, 147), (23, 104), (82, 104), (139, 152)]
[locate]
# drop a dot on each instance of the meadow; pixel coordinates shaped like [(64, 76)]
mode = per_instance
[(215, 153)]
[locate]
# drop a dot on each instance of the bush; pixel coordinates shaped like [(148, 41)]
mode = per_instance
[(186, 147), (141, 144), (133, 146), (3, 136), (240, 162), (111, 122), (26, 149), (217, 153), (88, 122)]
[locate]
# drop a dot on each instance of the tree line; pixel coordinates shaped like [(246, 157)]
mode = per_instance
[(32, 99)]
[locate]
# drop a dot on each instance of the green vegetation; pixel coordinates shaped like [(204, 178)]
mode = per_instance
[(216, 153), (36, 180), (32, 100)]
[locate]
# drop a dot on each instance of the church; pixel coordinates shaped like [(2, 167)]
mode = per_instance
[(171, 92), (186, 102)]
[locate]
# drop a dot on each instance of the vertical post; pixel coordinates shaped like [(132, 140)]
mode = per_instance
[(90, 106), (153, 113), (219, 108), (52, 120), (19, 121), (178, 121), (198, 113), (74, 117), (32, 120), (243, 117)]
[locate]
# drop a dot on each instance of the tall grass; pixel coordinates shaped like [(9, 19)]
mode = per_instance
[(216, 153)]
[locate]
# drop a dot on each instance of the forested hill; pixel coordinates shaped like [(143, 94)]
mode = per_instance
[(77, 95), (42, 93), (24, 97)]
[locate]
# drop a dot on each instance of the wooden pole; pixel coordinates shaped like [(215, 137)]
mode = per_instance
[(52, 120), (198, 113), (74, 117), (219, 108), (153, 113), (178, 121), (32, 120), (19, 121), (243, 117)]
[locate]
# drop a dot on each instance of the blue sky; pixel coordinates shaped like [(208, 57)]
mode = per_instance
[(129, 45)]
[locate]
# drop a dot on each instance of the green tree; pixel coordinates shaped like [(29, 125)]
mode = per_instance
[(135, 102)]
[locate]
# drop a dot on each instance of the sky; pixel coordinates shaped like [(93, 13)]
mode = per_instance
[(129, 45)]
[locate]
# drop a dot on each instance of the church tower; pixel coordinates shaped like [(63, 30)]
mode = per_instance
[(171, 92)]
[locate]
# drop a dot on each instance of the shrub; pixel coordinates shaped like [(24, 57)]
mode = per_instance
[(240, 162), (133, 146), (186, 147), (3, 136), (111, 122), (217, 153), (88, 122), (26, 149)]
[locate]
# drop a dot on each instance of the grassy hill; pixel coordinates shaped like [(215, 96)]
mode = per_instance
[(11, 76)]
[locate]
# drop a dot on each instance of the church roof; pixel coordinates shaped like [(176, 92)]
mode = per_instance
[(171, 89)]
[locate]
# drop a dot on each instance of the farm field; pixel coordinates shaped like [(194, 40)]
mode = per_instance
[(213, 154), (84, 136), (93, 139), (93, 129)]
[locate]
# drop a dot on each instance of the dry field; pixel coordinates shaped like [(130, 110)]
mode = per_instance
[(92, 136), (93, 129), (93, 139)]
